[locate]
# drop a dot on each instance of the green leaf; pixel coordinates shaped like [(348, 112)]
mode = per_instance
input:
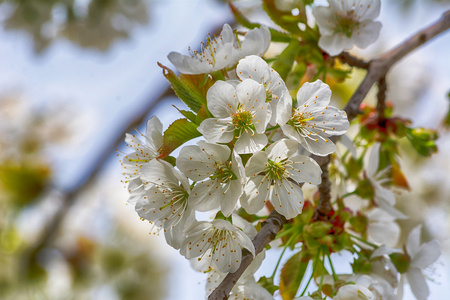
[(268, 284), (423, 140), (283, 64), (186, 91), (292, 275), (178, 133), (276, 36), (278, 17)]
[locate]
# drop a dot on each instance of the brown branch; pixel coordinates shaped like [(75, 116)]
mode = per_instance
[(377, 69), (324, 207), (381, 104), (353, 61), (268, 232)]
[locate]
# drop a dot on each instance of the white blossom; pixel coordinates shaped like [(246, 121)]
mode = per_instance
[(255, 68), (166, 202), (383, 197), (421, 257), (313, 121), (218, 174), (276, 174), (240, 112), (246, 287), (223, 51), (145, 148), (382, 227), (354, 292), (218, 239), (345, 23)]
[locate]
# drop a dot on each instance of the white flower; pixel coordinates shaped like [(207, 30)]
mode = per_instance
[(421, 257), (380, 288), (240, 112), (223, 51), (144, 151), (254, 67), (353, 292), (382, 227), (246, 287), (166, 202), (383, 197), (221, 240), (345, 23), (276, 174), (219, 177), (312, 121)]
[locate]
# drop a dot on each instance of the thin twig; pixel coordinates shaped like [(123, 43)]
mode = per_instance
[(353, 61), (381, 104), (377, 69)]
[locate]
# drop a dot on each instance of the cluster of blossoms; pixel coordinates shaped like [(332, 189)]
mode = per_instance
[(254, 154)]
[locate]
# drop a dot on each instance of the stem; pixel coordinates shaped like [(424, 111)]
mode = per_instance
[(335, 277), (362, 240), (316, 261), (322, 274), (281, 256)]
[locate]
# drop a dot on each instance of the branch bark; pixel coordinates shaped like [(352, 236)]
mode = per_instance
[(376, 70)]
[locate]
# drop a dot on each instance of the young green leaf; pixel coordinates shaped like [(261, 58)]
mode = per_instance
[(292, 275), (178, 133), (185, 91)]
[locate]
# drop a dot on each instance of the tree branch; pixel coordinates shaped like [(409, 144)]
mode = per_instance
[(353, 61), (377, 69)]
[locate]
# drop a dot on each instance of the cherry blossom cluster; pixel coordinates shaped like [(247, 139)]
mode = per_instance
[(258, 140)]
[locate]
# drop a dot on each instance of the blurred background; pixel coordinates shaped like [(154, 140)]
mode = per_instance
[(76, 75)]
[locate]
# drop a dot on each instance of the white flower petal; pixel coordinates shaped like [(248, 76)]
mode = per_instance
[(217, 130), (256, 164), (221, 98), (206, 195), (153, 134), (281, 149), (230, 195), (413, 242), (253, 67), (335, 44), (367, 34), (368, 10), (256, 193), (324, 19), (312, 92), (287, 198), (427, 254), (284, 109), (386, 233), (195, 163), (305, 169), (256, 41), (248, 143), (417, 283)]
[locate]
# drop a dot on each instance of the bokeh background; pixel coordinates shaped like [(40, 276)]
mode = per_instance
[(75, 75)]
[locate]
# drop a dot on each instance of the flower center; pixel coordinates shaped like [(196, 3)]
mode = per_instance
[(223, 173), (299, 119), (243, 121), (346, 23), (275, 170)]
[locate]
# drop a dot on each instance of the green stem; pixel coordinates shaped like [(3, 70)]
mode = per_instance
[(316, 261), (285, 232), (281, 256), (335, 277), (322, 274), (273, 128), (364, 241)]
